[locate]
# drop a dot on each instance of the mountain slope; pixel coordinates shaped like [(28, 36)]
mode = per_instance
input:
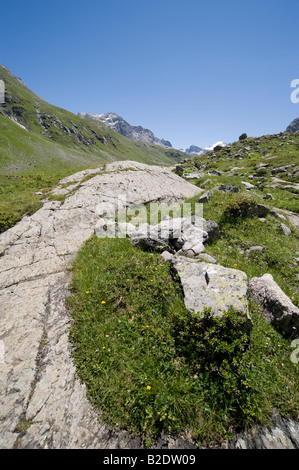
[(35, 134), (294, 126), (123, 127), (269, 163)]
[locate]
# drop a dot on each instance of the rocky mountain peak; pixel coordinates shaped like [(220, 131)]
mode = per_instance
[(294, 126), (118, 123)]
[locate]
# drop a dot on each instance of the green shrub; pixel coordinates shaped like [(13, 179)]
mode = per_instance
[(241, 207), (216, 349)]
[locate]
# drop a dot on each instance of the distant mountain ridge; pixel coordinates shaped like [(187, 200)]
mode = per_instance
[(194, 150), (118, 123)]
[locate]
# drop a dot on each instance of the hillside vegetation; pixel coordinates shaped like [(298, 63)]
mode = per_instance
[(151, 366), (41, 143)]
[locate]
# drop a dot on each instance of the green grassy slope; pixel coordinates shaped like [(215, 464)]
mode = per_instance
[(259, 161), (41, 143), (57, 140), (150, 366)]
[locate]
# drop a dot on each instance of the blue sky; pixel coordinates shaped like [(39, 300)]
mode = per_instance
[(192, 71)]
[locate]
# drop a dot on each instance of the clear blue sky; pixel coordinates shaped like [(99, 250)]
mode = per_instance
[(192, 71)]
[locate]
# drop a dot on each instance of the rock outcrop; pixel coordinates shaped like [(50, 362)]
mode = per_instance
[(39, 389), (278, 308), (207, 285)]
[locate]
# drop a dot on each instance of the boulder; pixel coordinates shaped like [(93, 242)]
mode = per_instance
[(184, 236), (285, 230), (167, 256), (277, 307), (207, 258), (217, 148), (268, 196), (212, 230), (254, 248), (193, 175), (205, 197), (247, 185), (209, 285), (282, 169)]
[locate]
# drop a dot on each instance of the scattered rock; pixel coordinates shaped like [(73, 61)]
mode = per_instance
[(207, 258), (167, 256), (193, 175), (205, 182), (277, 215), (286, 231), (226, 188), (254, 248), (262, 165), (278, 308), (281, 169), (216, 172), (205, 197), (212, 230), (282, 433), (210, 285), (248, 185), (269, 196)]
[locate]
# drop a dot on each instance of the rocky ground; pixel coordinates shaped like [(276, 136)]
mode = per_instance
[(43, 405)]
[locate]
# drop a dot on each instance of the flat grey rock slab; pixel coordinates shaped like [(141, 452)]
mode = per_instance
[(210, 285)]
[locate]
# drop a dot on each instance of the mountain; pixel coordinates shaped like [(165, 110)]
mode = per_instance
[(36, 136), (123, 127), (194, 150), (294, 126)]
